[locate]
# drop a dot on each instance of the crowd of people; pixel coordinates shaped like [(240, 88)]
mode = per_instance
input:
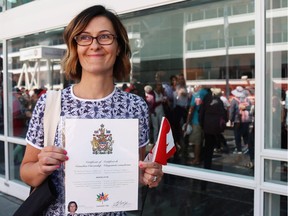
[(23, 103), (209, 113), (182, 108)]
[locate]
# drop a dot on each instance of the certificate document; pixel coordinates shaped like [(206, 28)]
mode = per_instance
[(101, 174)]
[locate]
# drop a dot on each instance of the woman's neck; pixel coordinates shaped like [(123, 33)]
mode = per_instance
[(93, 88)]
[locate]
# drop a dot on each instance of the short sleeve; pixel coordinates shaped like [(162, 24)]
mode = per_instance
[(35, 133), (143, 123)]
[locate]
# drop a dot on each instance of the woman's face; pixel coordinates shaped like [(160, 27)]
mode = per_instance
[(72, 208), (174, 81), (95, 58)]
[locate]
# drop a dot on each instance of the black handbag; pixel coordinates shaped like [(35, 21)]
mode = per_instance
[(39, 199), (42, 196)]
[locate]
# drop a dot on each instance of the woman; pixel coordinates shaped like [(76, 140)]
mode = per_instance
[(97, 54), (180, 103), (72, 208), (158, 113)]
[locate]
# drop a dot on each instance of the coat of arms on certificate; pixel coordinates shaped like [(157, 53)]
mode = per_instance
[(102, 142)]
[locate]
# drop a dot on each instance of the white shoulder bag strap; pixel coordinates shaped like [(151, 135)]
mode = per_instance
[(51, 116)]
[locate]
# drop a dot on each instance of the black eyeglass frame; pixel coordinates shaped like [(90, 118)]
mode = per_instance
[(96, 38)]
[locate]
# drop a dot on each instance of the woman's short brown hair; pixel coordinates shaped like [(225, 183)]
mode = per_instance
[(71, 64)]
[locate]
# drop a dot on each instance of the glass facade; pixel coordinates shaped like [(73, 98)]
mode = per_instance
[(16, 153), (186, 197), (2, 159), (33, 65), (276, 76), (276, 171), (1, 90), (192, 44), (8, 4), (275, 204), (2, 152), (212, 44)]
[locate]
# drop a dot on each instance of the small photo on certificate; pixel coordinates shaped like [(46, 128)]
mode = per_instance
[(101, 174)]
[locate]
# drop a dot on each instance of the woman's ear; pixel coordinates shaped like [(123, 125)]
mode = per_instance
[(118, 51)]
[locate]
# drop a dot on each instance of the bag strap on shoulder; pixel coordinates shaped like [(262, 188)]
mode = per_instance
[(51, 116)]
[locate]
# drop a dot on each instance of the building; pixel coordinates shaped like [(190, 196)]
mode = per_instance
[(213, 43)]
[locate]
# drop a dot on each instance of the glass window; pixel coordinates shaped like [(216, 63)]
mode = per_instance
[(276, 103), (184, 43), (2, 158), (16, 3), (33, 66), (1, 90), (276, 80), (197, 198), (276, 171), (2, 151), (275, 204), (2, 5), (16, 153)]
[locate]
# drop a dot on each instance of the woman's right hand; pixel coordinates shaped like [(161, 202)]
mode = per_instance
[(38, 164), (50, 158)]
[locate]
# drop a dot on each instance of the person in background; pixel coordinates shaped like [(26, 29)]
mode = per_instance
[(251, 139), (240, 118), (18, 111), (223, 147), (150, 100), (168, 92), (286, 108), (156, 117), (181, 102), (212, 119), (97, 55), (285, 123), (125, 87), (196, 137), (225, 101), (173, 83)]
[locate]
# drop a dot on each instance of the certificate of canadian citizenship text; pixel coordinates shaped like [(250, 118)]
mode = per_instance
[(101, 174)]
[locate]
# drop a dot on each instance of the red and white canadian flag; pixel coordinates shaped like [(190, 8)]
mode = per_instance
[(164, 147)]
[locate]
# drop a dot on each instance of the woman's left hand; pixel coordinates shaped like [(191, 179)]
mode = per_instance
[(151, 173)]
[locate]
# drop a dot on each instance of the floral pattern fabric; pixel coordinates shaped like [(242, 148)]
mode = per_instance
[(117, 105)]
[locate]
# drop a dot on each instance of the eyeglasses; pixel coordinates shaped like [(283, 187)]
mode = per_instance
[(86, 40)]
